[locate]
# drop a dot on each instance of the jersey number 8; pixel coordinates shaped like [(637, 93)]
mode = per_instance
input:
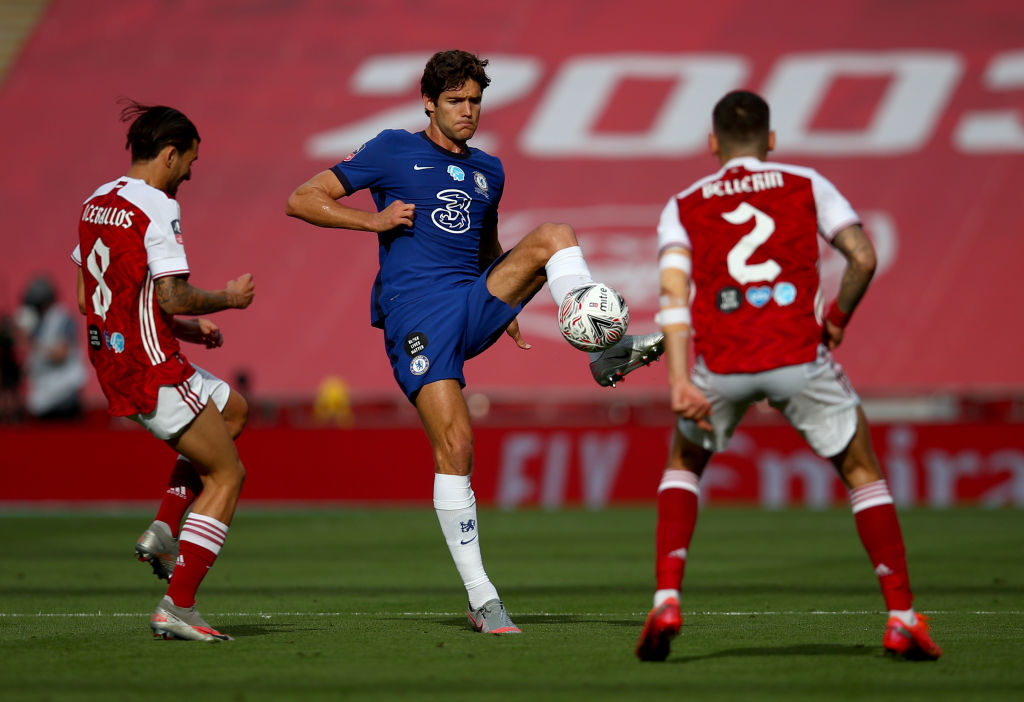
[(97, 262)]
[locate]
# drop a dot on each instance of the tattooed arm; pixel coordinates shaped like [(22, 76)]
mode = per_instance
[(855, 246), (176, 296)]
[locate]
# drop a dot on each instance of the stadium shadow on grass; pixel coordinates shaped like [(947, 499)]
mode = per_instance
[(788, 650), (239, 631), (528, 621)]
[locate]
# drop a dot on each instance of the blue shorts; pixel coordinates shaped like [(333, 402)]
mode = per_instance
[(431, 338)]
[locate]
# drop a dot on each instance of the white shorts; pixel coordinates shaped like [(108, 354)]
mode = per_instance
[(815, 397), (178, 405)]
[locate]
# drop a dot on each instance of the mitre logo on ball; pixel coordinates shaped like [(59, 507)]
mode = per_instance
[(593, 317)]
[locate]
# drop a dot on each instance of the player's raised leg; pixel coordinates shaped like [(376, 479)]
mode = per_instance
[(551, 253), (906, 633), (632, 353)]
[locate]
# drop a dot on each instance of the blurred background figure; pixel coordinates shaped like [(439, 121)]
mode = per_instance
[(332, 404), (55, 373), (11, 409)]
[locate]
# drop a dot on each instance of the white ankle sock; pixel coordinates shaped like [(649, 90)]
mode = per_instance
[(907, 616), (566, 269), (455, 505), (661, 595)]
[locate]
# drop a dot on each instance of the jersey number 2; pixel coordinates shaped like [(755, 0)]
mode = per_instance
[(764, 226), (97, 262)]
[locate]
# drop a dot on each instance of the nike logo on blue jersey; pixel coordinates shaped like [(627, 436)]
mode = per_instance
[(418, 167)]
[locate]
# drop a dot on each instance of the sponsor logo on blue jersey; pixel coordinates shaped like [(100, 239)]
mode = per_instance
[(454, 216), (456, 173)]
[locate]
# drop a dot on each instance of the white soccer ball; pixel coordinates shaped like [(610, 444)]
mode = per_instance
[(593, 317)]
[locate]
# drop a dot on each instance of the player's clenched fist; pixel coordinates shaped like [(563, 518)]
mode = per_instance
[(397, 214), (240, 291)]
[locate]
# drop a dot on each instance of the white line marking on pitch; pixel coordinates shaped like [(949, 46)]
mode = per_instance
[(269, 615)]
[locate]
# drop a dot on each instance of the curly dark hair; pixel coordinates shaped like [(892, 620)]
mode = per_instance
[(449, 70), (155, 126)]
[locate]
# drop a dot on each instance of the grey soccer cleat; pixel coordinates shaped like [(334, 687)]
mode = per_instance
[(172, 622), (631, 353), (492, 618), (157, 547)]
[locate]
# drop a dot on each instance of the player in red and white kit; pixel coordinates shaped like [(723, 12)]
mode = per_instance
[(132, 281), (738, 262)]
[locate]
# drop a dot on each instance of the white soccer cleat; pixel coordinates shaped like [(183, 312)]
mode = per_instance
[(492, 618), (157, 547), (172, 622)]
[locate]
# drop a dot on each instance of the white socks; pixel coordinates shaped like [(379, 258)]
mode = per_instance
[(907, 616), (205, 532), (661, 595), (566, 269), (455, 505)]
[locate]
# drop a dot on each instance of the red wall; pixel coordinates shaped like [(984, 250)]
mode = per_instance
[(914, 109), (928, 464)]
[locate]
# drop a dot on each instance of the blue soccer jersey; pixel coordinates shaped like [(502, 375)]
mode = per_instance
[(456, 197)]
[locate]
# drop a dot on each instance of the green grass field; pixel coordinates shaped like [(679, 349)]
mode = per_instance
[(366, 605)]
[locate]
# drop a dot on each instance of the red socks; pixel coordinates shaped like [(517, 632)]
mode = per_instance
[(201, 540), (678, 501), (879, 530), (183, 487)]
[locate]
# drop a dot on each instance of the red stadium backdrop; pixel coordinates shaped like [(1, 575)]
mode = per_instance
[(915, 110), (591, 466)]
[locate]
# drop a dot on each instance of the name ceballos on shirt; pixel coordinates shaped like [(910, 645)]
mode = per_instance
[(109, 216)]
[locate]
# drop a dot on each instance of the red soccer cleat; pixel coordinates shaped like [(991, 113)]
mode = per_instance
[(910, 642), (662, 625)]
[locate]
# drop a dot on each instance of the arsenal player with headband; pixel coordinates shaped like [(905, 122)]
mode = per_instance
[(132, 281), (739, 270)]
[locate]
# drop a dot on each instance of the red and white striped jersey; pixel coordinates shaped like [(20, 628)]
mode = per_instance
[(752, 230), (130, 233)]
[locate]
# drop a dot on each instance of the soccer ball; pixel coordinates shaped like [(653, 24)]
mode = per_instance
[(593, 317)]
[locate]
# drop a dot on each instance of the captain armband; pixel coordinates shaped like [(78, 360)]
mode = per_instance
[(673, 315), (675, 260)]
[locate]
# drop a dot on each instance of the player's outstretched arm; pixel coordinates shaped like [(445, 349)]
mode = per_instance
[(176, 296), (316, 202)]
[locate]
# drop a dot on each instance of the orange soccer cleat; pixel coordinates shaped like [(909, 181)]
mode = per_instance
[(662, 625), (910, 642)]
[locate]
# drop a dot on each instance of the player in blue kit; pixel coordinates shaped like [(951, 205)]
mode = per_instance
[(446, 291)]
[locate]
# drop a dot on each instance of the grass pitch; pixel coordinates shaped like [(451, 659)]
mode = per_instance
[(343, 604)]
